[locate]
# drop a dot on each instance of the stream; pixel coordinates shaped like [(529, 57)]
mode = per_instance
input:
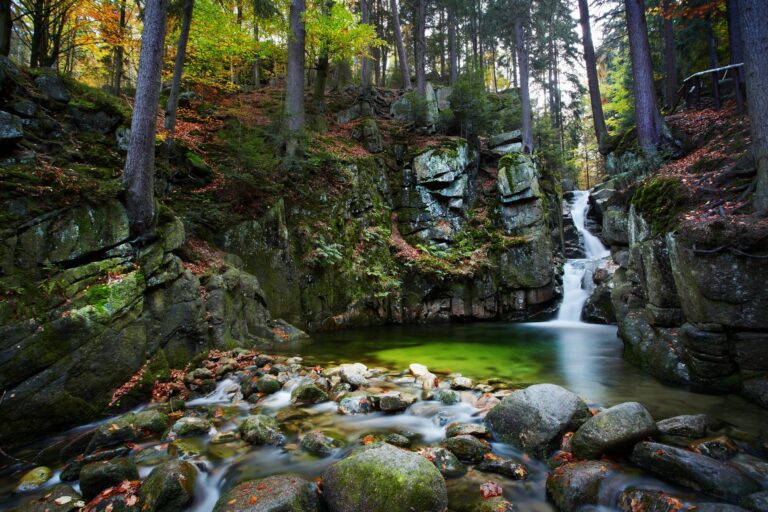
[(584, 358)]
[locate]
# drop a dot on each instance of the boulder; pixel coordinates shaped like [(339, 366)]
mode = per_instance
[(689, 425), (367, 132), (756, 390), (11, 130), (471, 429), (268, 384), (694, 470), (613, 429), (127, 428), (446, 396), (190, 426), (535, 419), (644, 500), (260, 429), (576, 484), (53, 87), (383, 478), (461, 383), (355, 404), (308, 393), (34, 479), (467, 448), (354, 374), (615, 227), (398, 440), (279, 493), (505, 138), (95, 121), (317, 443), (395, 401), (97, 476), (756, 502), (517, 179), (445, 461), (504, 467), (170, 487), (59, 498)]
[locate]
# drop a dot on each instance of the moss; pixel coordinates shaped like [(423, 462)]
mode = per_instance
[(91, 98), (659, 201)]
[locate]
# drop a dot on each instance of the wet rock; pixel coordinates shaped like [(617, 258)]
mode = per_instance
[(170, 487), (720, 447), (495, 504), (504, 138), (308, 393), (615, 227), (261, 429), (317, 443), (394, 402), (356, 404), (71, 470), (97, 476), (756, 390), (690, 425), (268, 384), (613, 429), (461, 383), (576, 484), (59, 498), (757, 502), (470, 429), (445, 461), (694, 470), (190, 426), (643, 500), (535, 418), (224, 437), (11, 130), (279, 493), (34, 478), (427, 379), (127, 428), (504, 467), (383, 478), (446, 396), (398, 440), (467, 448), (53, 87), (354, 374), (186, 448)]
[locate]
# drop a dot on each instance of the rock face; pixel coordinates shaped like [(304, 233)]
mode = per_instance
[(613, 429), (281, 493), (382, 478), (535, 419)]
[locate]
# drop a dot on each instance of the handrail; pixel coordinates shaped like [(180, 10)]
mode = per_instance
[(714, 70)]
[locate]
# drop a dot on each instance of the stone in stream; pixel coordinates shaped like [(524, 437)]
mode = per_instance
[(71, 470), (689, 425), (308, 393), (461, 383), (467, 448), (576, 484), (317, 443), (59, 498), (34, 478), (279, 493), (445, 461), (395, 401), (645, 500), (127, 428), (446, 396), (170, 487), (694, 470), (471, 429), (354, 374), (720, 447), (495, 504), (186, 447), (355, 404), (613, 429), (97, 476), (382, 478), (427, 379), (268, 384), (260, 429), (190, 426), (535, 419), (757, 502), (504, 467)]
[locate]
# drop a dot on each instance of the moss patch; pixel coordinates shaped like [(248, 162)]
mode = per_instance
[(659, 200)]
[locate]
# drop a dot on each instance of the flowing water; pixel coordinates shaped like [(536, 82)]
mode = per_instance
[(584, 358)]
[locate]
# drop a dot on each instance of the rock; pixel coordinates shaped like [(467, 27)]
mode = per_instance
[(506, 149), (71, 471), (354, 374), (504, 467), (94, 121), (53, 87), (720, 447), (11, 130), (535, 419), (644, 500), (470, 429), (467, 448), (446, 396), (24, 108), (427, 379), (128, 428), (367, 132), (505, 138), (170, 487), (495, 504), (268, 384), (757, 502), (461, 383), (615, 227), (97, 476), (34, 478), (517, 179), (395, 401), (756, 390), (279, 493), (123, 138), (443, 95), (308, 393), (576, 484), (599, 307), (59, 498), (317, 443), (613, 429), (355, 404), (693, 470), (383, 478), (186, 447), (445, 461), (261, 429), (398, 440), (190, 426), (690, 425)]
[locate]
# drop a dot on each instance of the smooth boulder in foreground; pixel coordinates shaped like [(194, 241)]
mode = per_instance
[(534, 419), (383, 478)]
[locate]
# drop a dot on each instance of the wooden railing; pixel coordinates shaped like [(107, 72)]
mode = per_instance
[(693, 86)]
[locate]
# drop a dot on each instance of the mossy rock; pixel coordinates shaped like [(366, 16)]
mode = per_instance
[(261, 429), (170, 487), (660, 200), (34, 479), (97, 476)]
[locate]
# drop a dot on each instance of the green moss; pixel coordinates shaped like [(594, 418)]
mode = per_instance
[(91, 98), (659, 201)]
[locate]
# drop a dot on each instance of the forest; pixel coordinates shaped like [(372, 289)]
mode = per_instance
[(383, 255)]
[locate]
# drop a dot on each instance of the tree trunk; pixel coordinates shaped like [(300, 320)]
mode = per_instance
[(178, 66), (590, 62), (421, 49), (318, 95), (712, 41), (365, 66), (402, 57), (649, 122), (6, 27), (138, 177), (754, 26), (441, 25), (735, 42), (525, 97), (119, 54), (37, 39), (257, 59), (452, 50), (670, 59), (294, 80)]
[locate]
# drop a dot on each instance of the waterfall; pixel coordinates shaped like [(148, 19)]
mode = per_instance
[(577, 273)]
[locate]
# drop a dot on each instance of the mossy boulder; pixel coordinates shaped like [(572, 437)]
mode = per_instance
[(308, 393), (261, 429), (170, 487), (190, 426), (34, 479), (383, 478), (59, 498), (467, 448), (127, 428), (268, 384), (445, 461), (97, 476), (613, 429), (280, 493), (317, 443)]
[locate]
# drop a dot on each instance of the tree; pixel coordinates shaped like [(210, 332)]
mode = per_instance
[(6, 27), (117, 80), (590, 62), (754, 26), (402, 56), (294, 79), (365, 68), (138, 176), (670, 58), (421, 48), (523, 10), (178, 67), (453, 52), (46, 34), (649, 122)]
